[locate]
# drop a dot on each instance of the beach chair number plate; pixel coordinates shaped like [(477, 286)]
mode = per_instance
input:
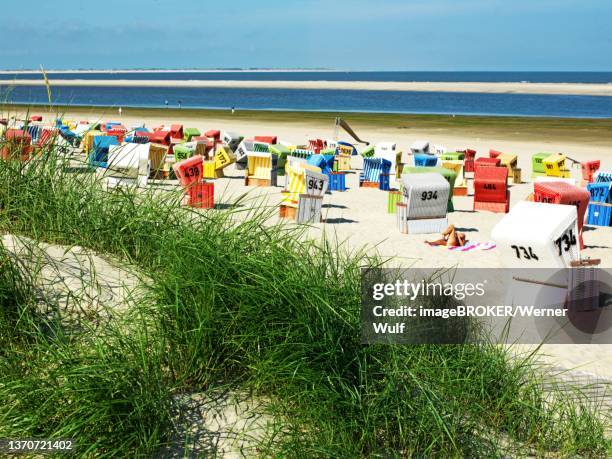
[(429, 195), (565, 242), (526, 252), (192, 172), (315, 185)]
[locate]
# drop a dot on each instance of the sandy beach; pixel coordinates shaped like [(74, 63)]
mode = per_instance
[(359, 218), (581, 89)]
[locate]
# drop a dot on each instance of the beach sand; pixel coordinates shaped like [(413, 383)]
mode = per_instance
[(359, 216), (583, 89)]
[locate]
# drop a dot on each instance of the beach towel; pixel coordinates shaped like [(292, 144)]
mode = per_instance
[(474, 246)]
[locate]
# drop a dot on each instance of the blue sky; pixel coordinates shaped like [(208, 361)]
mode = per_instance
[(343, 34)]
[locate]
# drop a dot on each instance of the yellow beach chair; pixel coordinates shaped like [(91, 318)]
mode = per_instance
[(554, 165)]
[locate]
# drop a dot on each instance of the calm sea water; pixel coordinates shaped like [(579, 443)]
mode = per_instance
[(534, 77), (320, 100)]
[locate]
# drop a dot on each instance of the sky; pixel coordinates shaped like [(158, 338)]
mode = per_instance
[(445, 35)]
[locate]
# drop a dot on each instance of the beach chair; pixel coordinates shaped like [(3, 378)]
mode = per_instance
[(304, 178), (564, 193), (511, 162), (232, 139), (420, 147), (603, 176), (48, 136), (449, 175), (158, 155), (490, 162), (426, 202), (538, 235), (316, 145), (261, 147), (554, 165), (189, 171), (316, 160), (223, 158), (453, 156), (281, 152), (303, 153), (337, 181), (69, 136), (600, 205), (34, 131), (269, 139), (244, 148), (183, 151), (17, 145), (589, 168), (118, 131), (460, 188), (201, 195), (303, 182), (422, 160), (491, 189), (127, 165), (393, 197), (262, 169), (98, 157), (161, 137), (190, 133), (346, 148), (368, 152), (389, 152), (176, 132), (468, 161), (373, 168), (494, 153), (537, 164)]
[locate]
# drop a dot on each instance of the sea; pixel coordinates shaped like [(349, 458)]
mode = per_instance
[(328, 100)]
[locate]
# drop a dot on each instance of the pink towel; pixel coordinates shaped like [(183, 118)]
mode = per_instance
[(474, 246)]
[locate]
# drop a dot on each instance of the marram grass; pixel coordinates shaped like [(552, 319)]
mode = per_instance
[(236, 300)]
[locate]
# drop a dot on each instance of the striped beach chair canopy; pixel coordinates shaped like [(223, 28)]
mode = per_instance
[(373, 167)]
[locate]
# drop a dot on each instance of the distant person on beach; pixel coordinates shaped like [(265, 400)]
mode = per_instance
[(166, 103), (180, 102), (233, 109)]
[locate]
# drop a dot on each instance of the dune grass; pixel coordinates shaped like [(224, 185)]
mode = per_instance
[(235, 300)]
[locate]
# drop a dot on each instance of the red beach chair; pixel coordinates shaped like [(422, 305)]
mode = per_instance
[(18, 145), (490, 162), (588, 170), (189, 171), (564, 193), (494, 153), (491, 189), (269, 139), (176, 131)]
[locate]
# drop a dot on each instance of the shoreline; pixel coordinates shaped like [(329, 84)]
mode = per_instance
[(576, 89)]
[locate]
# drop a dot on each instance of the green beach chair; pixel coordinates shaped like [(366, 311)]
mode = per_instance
[(281, 152), (368, 152), (537, 164), (190, 133), (453, 156), (182, 152)]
